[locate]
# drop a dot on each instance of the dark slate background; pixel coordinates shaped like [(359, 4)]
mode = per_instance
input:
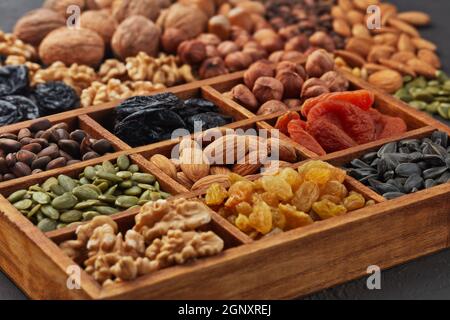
[(425, 278)]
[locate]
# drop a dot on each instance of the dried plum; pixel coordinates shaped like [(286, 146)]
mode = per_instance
[(55, 97), (13, 80), (26, 109), (207, 121), (8, 113)]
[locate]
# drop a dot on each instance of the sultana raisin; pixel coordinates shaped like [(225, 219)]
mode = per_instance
[(318, 175), (327, 209), (270, 198), (292, 177), (277, 186), (243, 223), (305, 196), (239, 192), (370, 203), (294, 218), (335, 188), (279, 220), (336, 173), (329, 197), (216, 195), (301, 136), (354, 201), (244, 208), (261, 217)]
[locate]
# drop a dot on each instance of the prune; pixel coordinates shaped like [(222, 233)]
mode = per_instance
[(26, 109), (8, 113), (13, 80), (55, 97), (207, 120)]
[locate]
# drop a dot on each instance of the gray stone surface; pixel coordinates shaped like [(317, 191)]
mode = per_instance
[(425, 278)]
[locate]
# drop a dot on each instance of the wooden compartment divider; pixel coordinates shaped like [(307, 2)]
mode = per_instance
[(288, 265)]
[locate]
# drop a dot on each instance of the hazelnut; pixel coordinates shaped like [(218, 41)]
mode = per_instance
[(171, 39), (298, 43), (242, 40), (256, 54), (252, 7), (318, 63), (259, 22), (272, 106), (59, 45), (262, 68), (293, 103), (269, 40), (136, 34), (267, 88), (293, 56), (291, 66), (241, 94), (35, 25), (209, 39), (224, 8), (101, 22), (292, 83), (276, 56), (238, 61), (289, 32), (314, 87), (211, 51), (227, 47), (192, 52), (61, 6), (212, 67), (322, 40), (335, 81), (262, 34), (220, 26), (237, 32), (239, 17), (123, 9)]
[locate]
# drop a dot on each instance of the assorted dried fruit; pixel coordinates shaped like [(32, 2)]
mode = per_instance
[(165, 233), (404, 167), (104, 189), (286, 200), (337, 121), (432, 96), (44, 146), (145, 120)]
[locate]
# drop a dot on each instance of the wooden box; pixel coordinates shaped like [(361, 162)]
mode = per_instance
[(284, 266)]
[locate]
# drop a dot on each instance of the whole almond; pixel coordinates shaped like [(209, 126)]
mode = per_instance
[(420, 43), (404, 27), (219, 170), (360, 46), (250, 164), (351, 58), (184, 180), (364, 4), (429, 57), (194, 164), (338, 13), (398, 66), (403, 56), (354, 17), (341, 27), (387, 80), (346, 5), (373, 67), (388, 39), (286, 152), (205, 182), (380, 52), (165, 165), (416, 18), (360, 30), (422, 68), (405, 43)]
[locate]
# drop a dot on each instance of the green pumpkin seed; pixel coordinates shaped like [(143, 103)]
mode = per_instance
[(86, 204), (165, 195), (107, 166), (155, 196), (133, 168), (109, 176), (40, 216), (84, 181), (57, 189), (50, 212), (71, 216), (23, 204), (111, 190), (86, 192), (419, 105), (89, 215), (146, 178), (89, 173), (46, 225), (61, 226), (104, 186), (133, 191), (107, 198), (65, 201), (146, 186), (444, 110), (126, 201), (106, 210), (41, 197), (16, 196), (142, 202), (124, 174), (48, 183), (123, 162), (33, 211), (66, 182), (36, 188), (126, 184), (157, 187)]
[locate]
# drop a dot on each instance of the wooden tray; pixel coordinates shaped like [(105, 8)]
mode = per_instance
[(289, 265)]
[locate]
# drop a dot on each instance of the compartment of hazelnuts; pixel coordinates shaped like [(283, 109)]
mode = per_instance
[(269, 87)]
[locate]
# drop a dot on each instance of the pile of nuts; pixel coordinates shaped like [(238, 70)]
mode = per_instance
[(270, 88), (105, 189), (383, 56), (164, 234), (44, 146), (198, 166)]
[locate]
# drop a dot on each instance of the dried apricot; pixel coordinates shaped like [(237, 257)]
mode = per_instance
[(298, 134), (294, 218), (283, 121), (305, 196), (261, 217), (329, 136), (277, 186), (216, 195), (354, 201), (392, 126), (327, 209)]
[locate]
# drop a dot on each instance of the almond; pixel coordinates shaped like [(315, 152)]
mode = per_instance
[(219, 170), (380, 52), (422, 68), (187, 143), (403, 56), (337, 12), (360, 30), (360, 46), (351, 58), (250, 164), (354, 17), (364, 4), (341, 27), (194, 164), (388, 39), (405, 43), (386, 29), (403, 27), (165, 165), (420, 43), (184, 180), (286, 152), (205, 182), (373, 67), (398, 66), (416, 18), (429, 57), (388, 10), (346, 5), (387, 80), (228, 149)]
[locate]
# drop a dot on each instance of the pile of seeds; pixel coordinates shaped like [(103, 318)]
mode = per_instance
[(101, 190), (407, 166), (44, 146), (432, 96)]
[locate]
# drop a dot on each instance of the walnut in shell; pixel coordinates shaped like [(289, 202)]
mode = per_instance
[(101, 22), (122, 9), (186, 18), (81, 46), (61, 6)]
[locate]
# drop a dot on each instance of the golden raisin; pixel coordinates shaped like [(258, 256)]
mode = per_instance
[(243, 223), (277, 186), (244, 208), (327, 209), (270, 198), (234, 177), (354, 201), (292, 177), (239, 192), (279, 220), (329, 197), (335, 188), (261, 217), (294, 218), (216, 195), (370, 203), (306, 195)]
